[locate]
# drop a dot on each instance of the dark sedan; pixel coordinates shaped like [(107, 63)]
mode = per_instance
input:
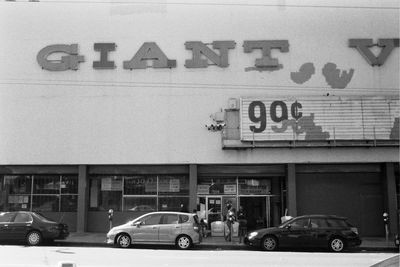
[(31, 227), (326, 231)]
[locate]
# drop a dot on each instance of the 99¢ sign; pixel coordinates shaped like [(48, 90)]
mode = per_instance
[(268, 120), (312, 118)]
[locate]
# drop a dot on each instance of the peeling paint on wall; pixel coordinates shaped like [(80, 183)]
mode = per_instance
[(304, 74), (394, 133), (336, 78), (305, 125), (313, 132)]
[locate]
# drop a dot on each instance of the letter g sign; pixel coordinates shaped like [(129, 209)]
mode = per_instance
[(69, 62)]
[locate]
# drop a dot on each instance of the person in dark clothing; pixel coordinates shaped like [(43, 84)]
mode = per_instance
[(230, 220), (242, 218)]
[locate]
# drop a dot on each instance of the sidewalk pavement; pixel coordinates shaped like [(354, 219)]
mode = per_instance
[(99, 239)]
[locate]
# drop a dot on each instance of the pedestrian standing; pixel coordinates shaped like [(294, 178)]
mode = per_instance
[(230, 220), (242, 218)]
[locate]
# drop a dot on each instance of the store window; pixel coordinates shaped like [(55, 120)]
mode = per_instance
[(217, 186), (142, 193), (17, 192), (106, 193), (254, 186), (173, 193), (140, 185), (43, 193), (146, 204)]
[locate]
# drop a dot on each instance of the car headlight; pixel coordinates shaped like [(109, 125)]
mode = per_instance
[(112, 232), (253, 235)]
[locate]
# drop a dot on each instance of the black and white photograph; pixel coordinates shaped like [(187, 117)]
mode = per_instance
[(238, 133)]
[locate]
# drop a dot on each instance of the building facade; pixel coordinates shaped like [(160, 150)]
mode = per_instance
[(287, 108)]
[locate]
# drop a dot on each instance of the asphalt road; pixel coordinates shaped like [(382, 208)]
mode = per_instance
[(22, 256)]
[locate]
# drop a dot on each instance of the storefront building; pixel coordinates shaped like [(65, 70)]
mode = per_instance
[(146, 107)]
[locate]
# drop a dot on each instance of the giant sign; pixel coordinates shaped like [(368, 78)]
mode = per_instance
[(202, 54)]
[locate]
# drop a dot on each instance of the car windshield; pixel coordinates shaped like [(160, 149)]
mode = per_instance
[(41, 217), (137, 219), (283, 225)]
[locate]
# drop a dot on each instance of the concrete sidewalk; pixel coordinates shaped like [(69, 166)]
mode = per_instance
[(98, 239)]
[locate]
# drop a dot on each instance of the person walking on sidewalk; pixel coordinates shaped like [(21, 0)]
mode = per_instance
[(242, 224), (230, 220)]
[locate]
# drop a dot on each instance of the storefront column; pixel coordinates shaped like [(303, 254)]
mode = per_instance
[(291, 190), (391, 198), (192, 187), (82, 199)]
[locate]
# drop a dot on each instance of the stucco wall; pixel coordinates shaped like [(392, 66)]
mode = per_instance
[(157, 116)]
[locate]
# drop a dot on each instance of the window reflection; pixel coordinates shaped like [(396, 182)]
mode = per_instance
[(142, 193), (51, 193)]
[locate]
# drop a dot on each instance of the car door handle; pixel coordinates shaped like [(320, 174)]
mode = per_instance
[(176, 227), (154, 227)]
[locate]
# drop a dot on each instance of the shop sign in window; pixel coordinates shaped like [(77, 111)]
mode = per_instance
[(254, 186), (169, 185), (230, 189), (203, 189), (110, 184), (23, 200)]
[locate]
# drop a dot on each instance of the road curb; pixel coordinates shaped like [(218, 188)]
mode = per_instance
[(218, 246)]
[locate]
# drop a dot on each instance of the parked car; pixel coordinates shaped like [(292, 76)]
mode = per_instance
[(31, 227), (397, 240), (326, 231), (174, 228)]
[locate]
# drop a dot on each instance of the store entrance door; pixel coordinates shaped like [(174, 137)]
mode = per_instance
[(214, 209), (257, 211)]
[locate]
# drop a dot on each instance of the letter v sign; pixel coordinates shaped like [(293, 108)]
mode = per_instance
[(363, 45)]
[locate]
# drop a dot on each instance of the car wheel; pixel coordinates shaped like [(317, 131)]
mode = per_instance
[(269, 243), (124, 241), (336, 244), (33, 238), (184, 242)]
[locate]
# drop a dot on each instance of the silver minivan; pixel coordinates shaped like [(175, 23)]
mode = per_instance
[(170, 228)]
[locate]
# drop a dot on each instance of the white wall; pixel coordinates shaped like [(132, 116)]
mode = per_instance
[(155, 116)]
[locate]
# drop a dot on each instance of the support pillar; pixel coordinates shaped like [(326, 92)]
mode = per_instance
[(291, 190), (82, 199), (391, 198), (192, 187)]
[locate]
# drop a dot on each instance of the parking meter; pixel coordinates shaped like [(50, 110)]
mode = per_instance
[(386, 222), (110, 216), (385, 217)]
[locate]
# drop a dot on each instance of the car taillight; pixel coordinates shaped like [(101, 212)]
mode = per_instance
[(196, 227), (53, 229), (354, 229)]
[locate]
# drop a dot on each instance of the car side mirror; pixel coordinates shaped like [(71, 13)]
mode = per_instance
[(289, 226), (137, 224)]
